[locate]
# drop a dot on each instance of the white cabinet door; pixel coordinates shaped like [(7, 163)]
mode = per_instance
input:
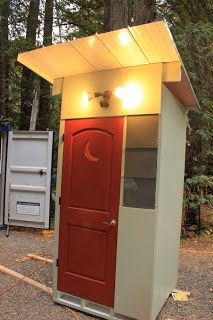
[(28, 178)]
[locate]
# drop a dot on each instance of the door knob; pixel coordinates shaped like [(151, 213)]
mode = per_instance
[(112, 223)]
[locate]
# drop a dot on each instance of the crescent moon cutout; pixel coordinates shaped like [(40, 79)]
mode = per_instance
[(88, 154)]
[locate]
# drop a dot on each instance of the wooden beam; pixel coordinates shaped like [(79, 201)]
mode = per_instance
[(21, 277), (39, 258)]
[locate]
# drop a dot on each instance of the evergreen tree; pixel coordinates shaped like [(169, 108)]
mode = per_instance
[(4, 57), (28, 77), (45, 93)]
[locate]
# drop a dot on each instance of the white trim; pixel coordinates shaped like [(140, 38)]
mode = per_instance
[(88, 307), (57, 206), (3, 138), (7, 184), (48, 187)]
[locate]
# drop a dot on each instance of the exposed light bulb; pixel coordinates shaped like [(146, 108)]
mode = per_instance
[(134, 95), (119, 92)]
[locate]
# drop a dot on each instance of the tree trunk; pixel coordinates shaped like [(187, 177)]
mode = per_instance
[(116, 14), (4, 58), (121, 13), (28, 78), (44, 100), (143, 11)]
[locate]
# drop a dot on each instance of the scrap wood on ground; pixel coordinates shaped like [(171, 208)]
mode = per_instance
[(21, 278), (25, 301), (30, 281)]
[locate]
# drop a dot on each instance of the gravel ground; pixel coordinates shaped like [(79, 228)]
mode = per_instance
[(24, 301)]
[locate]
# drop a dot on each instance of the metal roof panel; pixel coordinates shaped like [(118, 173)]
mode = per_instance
[(95, 52), (123, 47), (133, 46)]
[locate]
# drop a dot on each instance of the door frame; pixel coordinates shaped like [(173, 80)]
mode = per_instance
[(56, 293)]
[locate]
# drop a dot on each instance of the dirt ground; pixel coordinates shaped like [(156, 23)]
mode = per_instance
[(23, 301)]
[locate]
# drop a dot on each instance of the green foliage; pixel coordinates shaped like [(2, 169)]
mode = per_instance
[(79, 18), (198, 193), (195, 44), (191, 26)]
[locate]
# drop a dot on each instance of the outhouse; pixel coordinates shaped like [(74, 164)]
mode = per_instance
[(125, 97)]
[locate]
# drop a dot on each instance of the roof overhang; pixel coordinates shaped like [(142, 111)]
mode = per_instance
[(133, 46)]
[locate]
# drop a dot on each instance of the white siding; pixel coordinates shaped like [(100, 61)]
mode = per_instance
[(134, 262), (169, 197), (57, 206)]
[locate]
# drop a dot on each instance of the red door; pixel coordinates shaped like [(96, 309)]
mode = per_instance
[(89, 208)]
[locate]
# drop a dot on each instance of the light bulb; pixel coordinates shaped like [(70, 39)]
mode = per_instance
[(133, 95), (119, 92)]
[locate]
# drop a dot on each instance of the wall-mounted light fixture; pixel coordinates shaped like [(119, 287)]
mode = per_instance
[(104, 102), (131, 95)]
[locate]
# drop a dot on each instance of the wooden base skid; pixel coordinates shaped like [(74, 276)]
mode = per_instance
[(88, 307)]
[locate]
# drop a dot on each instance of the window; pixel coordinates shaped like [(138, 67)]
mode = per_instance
[(141, 161)]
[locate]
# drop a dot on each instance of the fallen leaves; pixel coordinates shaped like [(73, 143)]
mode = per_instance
[(47, 233), (180, 295)]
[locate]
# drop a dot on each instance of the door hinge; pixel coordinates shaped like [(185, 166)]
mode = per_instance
[(57, 262), (63, 137), (59, 200)]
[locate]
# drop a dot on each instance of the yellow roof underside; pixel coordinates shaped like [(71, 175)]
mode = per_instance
[(132, 46)]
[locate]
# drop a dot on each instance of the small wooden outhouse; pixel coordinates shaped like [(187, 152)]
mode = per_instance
[(125, 97)]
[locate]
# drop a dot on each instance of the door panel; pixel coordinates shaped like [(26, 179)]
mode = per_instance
[(92, 152), (89, 201), (28, 178), (86, 241)]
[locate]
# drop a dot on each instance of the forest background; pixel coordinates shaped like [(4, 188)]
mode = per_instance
[(29, 24)]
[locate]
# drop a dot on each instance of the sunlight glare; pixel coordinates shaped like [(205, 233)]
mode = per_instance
[(85, 99), (124, 38)]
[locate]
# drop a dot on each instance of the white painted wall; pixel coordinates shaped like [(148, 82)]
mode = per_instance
[(169, 198), (57, 206), (134, 268), (147, 77)]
